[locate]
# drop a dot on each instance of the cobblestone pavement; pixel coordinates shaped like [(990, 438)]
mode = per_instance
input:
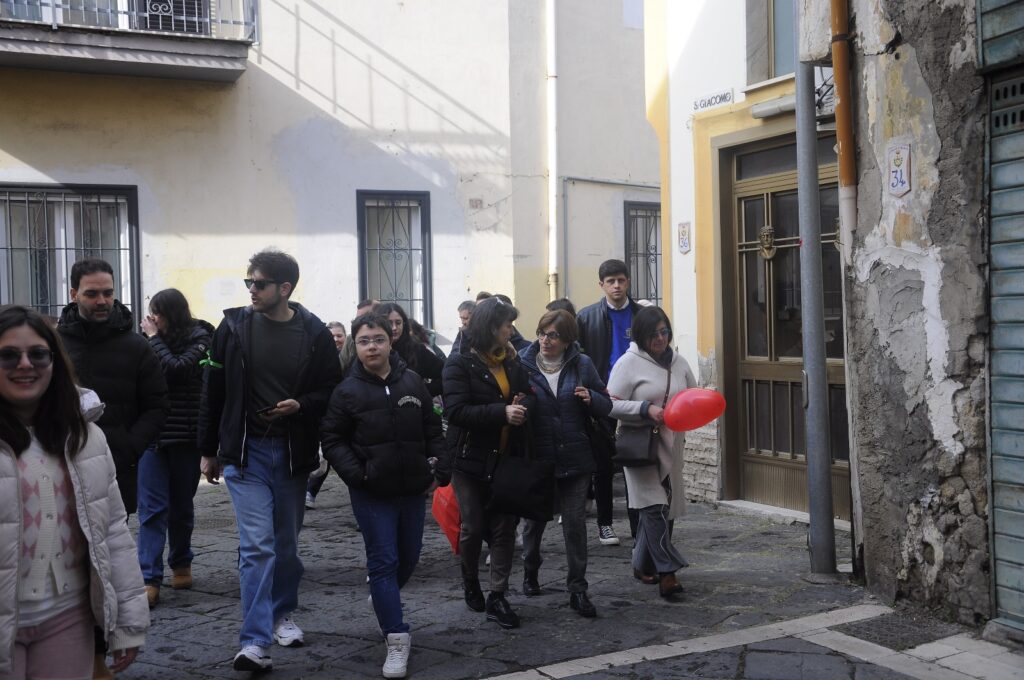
[(747, 611)]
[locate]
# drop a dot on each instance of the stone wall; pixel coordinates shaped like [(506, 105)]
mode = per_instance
[(916, 306), (702, 448)]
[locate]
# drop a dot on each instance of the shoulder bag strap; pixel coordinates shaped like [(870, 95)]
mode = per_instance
[(668, 387)]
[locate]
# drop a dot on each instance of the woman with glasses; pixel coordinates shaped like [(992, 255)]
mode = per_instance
[(488, 400), (382, 436), (642, 381), (67, 558), (414, 353), (169, 470), (569, 393)]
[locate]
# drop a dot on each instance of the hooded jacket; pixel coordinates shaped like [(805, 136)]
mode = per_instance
[(225, 401), (475, 409), (116, 594), (379, 433), (184, 375), (560, 426), (120, 366)]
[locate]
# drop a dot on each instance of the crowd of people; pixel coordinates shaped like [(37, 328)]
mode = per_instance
[(98, 421)]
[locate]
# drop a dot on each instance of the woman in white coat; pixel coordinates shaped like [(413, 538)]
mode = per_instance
[(642, 381), (67, 560)]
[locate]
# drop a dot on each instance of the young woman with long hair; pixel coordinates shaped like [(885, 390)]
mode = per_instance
[(414, 353)]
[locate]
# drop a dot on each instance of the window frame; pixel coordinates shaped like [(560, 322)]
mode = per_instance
[(627, 206), (131, 195), (423, 197)]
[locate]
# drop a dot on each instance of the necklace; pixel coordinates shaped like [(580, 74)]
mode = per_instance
[(549, 366)]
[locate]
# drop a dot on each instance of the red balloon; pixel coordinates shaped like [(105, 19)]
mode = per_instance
[(693, 408)]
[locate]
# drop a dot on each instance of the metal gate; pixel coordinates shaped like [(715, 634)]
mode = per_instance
[(1006, 203)]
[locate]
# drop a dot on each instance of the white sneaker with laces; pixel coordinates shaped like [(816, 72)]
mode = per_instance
[(287, 634), (606, 535), (310, 501), (396, 664), (252, 658)]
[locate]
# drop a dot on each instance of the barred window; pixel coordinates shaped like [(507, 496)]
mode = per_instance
[(643, 250), (45, 230), (394, 245)]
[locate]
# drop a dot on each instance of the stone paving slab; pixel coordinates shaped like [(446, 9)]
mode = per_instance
[(747, 572)]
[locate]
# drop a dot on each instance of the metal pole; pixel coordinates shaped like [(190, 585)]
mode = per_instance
[(819, 459)]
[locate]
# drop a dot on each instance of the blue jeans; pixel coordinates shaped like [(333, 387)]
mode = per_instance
[(168, 478), (269, 503), (392, 531)]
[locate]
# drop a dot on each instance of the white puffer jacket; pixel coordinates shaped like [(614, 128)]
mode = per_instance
[(116, 592)]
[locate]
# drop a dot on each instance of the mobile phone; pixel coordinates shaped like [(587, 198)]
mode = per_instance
[(265, 409)]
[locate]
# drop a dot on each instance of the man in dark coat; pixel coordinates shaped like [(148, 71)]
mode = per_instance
[(604, 337), (270, 373), (119, 365)]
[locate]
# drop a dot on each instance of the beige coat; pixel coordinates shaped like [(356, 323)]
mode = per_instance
[(116, 592), (636, 378)]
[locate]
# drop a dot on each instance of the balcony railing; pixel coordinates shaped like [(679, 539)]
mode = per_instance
[(219, 19)]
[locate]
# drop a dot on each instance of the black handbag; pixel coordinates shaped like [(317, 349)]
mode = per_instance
[(638, 446), (522, 485)]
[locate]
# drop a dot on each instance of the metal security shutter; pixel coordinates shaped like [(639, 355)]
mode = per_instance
[(1006, 156), (1001, 38)]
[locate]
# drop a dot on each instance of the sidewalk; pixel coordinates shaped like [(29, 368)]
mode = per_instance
[(746, 613)]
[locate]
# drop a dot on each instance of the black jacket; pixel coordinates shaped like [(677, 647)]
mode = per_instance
[(222, 415), (596, 334), (180, 364), (475, 409), (119, 365), (426, 364), (378, 434), (560, 426)]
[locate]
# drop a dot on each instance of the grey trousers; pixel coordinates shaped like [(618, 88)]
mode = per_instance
[(571, 494), (472, 495), (653, 551)]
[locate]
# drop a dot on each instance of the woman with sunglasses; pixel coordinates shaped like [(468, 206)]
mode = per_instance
[(67, 559), (569, 393), (382, 436), (642, 381), (169, 470)]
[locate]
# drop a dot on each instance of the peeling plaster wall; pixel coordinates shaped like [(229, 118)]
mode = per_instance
[(916, 306)]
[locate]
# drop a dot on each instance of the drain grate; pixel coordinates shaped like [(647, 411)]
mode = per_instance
[(900, 631)]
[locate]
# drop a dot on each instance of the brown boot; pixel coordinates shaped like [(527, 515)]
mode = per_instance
[(649, 579), (153, 595), (181, 578), (99, 668), (668, 585)]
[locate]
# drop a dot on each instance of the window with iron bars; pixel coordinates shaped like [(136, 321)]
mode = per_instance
[(394, 246), (45, 230), (643, 250), (176, 16)]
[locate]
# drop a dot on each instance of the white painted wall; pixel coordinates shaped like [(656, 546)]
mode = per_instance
[(707, 54)]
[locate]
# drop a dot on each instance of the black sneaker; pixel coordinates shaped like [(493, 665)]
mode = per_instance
[(474, 596), (499, 611), (531, 587), (582, 604)]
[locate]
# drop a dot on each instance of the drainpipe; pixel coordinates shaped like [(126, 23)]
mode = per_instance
[(819, 458), (847, 153), (551, 42)]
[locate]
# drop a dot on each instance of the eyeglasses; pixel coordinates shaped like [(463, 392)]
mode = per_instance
[(553, 335), (39, 357), (379, 341), (259, 283), (660, 333)]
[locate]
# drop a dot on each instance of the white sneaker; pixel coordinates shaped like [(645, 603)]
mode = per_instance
[(310, 501), (287, 634), (252, 658), (606, 535), (398, 655)]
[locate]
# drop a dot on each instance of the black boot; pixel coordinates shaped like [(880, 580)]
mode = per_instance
[(499, 611), (474, 596), (582, 604), (531, 587)]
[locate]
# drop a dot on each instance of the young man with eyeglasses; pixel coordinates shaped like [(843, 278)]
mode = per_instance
[(121, 367), (268, 378), (604, 335)]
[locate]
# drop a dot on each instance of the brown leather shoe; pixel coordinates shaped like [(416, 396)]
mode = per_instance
[(99, 668), (649, 579), (668, 585), (181, 578), (153, 595)]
